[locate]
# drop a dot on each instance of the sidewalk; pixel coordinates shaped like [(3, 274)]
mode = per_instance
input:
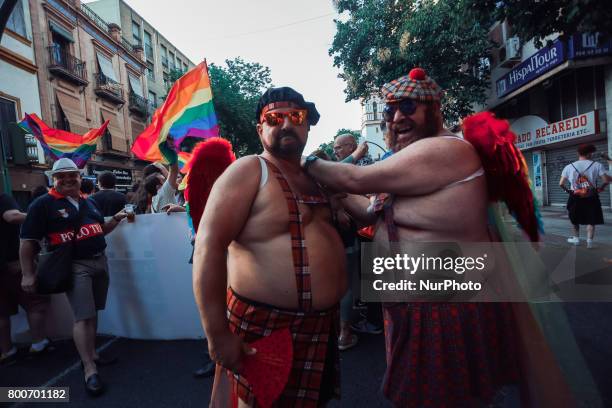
[(556, 223)]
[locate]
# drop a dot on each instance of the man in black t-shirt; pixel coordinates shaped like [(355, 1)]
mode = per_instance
[(53, 220), (11, 294), (108, 200)]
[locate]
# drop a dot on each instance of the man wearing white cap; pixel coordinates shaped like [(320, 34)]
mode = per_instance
[(52, 220)]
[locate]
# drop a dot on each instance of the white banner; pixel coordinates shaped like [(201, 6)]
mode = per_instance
[(150, 294), (533, 131)]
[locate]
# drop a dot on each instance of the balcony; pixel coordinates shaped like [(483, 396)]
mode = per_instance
[(109, 89), (63, 64), (138, 104)]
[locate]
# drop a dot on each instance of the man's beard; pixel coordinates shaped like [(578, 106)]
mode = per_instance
[(276, 148), (430, 127)]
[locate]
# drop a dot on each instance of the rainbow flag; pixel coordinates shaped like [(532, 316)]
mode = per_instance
[(59, 143), (187, 112), (183, 159)]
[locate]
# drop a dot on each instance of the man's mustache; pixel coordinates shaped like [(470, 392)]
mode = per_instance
[(287, 132)]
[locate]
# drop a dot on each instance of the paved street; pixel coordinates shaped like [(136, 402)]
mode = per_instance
[(158, 373)]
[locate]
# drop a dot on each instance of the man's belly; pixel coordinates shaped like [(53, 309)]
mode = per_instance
[(264, 271)]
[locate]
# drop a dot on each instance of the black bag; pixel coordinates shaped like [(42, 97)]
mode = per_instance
[(54, 269)]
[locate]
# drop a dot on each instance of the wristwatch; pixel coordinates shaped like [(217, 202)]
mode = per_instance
[(309, 160)]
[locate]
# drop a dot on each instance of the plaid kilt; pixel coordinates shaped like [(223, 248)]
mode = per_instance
[(316, 363), (445, 354)]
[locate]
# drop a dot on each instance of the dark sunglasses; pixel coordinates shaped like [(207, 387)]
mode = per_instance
[(406, 106)]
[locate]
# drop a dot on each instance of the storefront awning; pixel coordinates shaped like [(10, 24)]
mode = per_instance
[(118, 140), (106, 66), (71, 106), (61, 31)]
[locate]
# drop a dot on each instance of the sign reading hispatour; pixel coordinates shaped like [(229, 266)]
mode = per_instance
[(534, 66), (532, 131)]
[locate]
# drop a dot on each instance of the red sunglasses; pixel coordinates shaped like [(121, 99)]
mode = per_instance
[(296, 117)]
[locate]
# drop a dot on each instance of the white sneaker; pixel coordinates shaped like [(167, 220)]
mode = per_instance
[(590, 243), (574, 240)]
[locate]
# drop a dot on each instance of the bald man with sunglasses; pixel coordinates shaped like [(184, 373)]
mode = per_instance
[(269, 258)]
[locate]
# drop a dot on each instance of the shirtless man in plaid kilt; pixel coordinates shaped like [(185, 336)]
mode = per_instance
[(268, 257), (433, 188)]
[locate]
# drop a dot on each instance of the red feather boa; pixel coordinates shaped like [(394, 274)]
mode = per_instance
[(505, 167), (208, 161)]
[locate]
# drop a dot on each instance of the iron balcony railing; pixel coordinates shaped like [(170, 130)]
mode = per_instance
[(107, 87), (97, 20), (61, 59), (31, 149), (138, 104)]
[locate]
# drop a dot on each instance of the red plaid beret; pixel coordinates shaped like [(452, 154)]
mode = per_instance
[(416, 85)]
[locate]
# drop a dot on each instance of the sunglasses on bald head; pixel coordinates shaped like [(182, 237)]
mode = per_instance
[(296, 117), (406, 106)]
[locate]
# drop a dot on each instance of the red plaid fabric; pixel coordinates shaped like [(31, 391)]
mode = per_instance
[(298, 243), (315, 374), (425, 90)]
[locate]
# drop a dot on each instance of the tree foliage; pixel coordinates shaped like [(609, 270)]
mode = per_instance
[(538, 19), (236, 91), (380, 40)]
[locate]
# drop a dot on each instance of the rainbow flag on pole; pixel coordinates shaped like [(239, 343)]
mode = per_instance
[(59, 143), (187, 112)]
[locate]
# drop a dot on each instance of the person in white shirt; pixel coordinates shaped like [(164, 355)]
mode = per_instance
[(162, 189), (583, 204)]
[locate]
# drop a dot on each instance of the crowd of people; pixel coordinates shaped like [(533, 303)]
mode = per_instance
[(270, 261)]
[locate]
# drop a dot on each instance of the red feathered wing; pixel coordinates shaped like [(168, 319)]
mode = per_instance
[(208, 161), (505, 167)]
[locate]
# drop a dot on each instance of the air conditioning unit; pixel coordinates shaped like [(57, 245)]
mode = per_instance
[(510, 53)]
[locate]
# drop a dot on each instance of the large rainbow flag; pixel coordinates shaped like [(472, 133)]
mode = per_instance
[(187, 112), (59, 143)]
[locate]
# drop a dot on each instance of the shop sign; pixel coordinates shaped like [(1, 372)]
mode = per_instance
[(587, 45), (533, 131), (542, 61), (124, 176)]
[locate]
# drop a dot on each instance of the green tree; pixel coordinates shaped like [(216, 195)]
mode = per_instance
[(236, 91), (379, 40), (538, 19), (356, 134)]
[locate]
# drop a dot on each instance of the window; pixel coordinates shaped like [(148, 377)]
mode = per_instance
[(16, 21), (171, 61), (164, 56), (585, 89), (153, 98), (136, 32), (553, 94), (61, 119), (106, 67), (151, 71), (148, 48), (184, 67), (179, 63), (135, 85)]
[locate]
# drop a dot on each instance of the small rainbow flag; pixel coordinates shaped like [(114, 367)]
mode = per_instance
[(59, 143), (187, 112)]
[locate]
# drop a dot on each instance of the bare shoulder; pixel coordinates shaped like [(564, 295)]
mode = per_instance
[(243, 171), (438, 150)]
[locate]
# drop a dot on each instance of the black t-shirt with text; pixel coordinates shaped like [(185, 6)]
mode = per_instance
[(52, 217), (109, 202), (9, 233)]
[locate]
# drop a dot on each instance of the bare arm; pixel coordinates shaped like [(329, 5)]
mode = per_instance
[(220, 225), (14, 216), (172, 176), (562, 182), (162, 168), (111, 224), (27, 252), (357, 206), (424, 167)]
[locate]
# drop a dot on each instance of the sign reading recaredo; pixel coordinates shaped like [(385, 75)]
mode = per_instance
[(533, 131)]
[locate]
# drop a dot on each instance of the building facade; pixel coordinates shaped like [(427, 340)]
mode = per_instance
[(556, 98), (22, 157), (161, 56), (371, 131)]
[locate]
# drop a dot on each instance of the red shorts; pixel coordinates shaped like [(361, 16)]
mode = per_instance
[(11, 294)]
